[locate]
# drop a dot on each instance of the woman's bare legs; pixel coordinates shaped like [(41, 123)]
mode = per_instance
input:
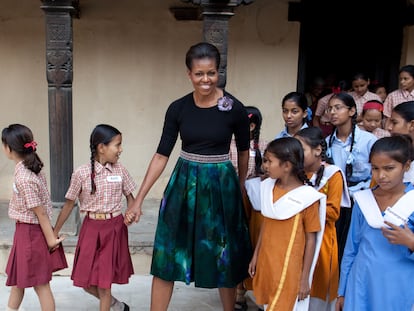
[(161, 293), (47, 302), (228, 298), (15, 298)]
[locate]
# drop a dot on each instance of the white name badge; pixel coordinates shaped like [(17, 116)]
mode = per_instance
[(115, 178)]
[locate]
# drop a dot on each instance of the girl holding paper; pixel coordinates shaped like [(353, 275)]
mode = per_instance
[(377, 271)]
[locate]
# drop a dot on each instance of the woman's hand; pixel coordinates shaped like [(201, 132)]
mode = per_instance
[(339, 303), (399, 235), (252, 266), (304, 289)]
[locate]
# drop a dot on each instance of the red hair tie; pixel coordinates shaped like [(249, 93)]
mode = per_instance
[(250, 115), (373, 105), (32, 145), (336, 90)]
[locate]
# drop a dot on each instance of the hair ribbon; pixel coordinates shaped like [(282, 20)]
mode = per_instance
[(32, 145)]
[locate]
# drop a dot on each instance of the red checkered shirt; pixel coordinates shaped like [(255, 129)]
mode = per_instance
[(395, 98), (252, 153), (361, 100), (29, 191), (112, 181)]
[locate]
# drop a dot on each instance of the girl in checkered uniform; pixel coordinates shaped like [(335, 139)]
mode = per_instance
[(35, 253), (102, 254)]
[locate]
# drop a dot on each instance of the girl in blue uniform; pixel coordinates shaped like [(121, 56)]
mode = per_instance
[(378, 263)]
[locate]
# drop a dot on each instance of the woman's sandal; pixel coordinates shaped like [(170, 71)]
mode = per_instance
[(240, 306)]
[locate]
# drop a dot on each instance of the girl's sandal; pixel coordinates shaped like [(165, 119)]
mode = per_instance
[(240, 306)]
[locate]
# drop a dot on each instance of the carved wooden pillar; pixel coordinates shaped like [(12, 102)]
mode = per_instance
[(59, 73), (216, 16)]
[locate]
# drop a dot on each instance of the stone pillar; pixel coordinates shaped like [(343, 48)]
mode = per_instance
[(216, 16), (59, 74)]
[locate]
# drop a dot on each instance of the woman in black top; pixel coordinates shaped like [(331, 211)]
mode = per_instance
[(201, 236)]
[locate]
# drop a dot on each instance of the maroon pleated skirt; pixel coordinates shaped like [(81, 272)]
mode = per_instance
[(102, 254), (30, 262)]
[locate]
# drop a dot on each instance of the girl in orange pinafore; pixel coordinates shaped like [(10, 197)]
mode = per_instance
[(294, 216), (330, 180)]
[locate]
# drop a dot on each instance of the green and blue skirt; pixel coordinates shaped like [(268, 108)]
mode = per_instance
[(202, 233)]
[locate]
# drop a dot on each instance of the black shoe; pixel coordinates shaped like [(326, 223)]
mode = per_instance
[(240, 306), (126, 307)]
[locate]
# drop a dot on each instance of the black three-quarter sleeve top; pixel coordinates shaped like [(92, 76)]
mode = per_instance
[(206, 131)]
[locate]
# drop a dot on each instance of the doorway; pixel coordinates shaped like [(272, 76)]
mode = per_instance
[(341, 38)]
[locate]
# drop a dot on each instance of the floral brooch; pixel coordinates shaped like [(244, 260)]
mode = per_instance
[(225, 103)]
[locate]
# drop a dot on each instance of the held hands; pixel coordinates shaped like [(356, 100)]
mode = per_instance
[(53, 245), (133, 214), (399, 235)]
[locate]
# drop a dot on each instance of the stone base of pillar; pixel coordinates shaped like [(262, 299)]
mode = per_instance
[(72, 224)]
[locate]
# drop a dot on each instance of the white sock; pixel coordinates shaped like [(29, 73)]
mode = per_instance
[(116, 305), (10, 309)]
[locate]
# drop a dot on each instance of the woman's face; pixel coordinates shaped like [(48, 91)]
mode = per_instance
[(371, 119), (387, 172), (398, 125), (340, 113), (311, 155), (272, 166), (382, 93), (293, 114), (204, 76), (406, 81), (360, 86)]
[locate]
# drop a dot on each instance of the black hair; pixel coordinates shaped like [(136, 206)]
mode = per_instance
[(360, 76), (101, 134), (19, 138), (408, 69), (349, 101), (375, 85), (300, 100), (398, 148), (405, 110), (256, 117), (313, 137), (289, 149), (202, 50)]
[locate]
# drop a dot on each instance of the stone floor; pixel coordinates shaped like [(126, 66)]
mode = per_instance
[(136, 294)]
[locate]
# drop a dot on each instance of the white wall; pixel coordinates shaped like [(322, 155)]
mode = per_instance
[(128, 67)]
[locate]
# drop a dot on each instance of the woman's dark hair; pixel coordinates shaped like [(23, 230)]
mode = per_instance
[(101, 134), (359, 76), (408, 69), (313, 137), (202, 50), (19, 138), (300, 100), (289, 149), (349, 101), (405, 110), (256, 117), (398, 148), (375, 85)]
